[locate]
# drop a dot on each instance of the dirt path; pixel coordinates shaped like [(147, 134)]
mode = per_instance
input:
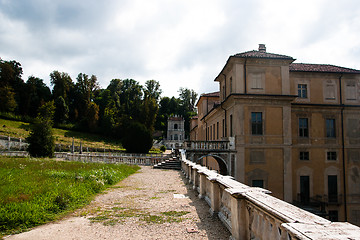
[(151, 204)]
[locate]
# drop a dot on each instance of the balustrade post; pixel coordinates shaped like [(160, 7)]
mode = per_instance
[(239, 217), (194, 173), (202, 185), (214, 197)]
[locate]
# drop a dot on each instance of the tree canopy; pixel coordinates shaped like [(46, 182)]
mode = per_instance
[(112, 111)]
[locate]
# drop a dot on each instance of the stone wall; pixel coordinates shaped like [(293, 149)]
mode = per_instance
[(252, 213)]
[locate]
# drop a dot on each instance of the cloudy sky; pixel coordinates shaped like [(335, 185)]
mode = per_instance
[(180, 43)]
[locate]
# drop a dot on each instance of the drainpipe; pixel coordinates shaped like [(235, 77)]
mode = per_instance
[(225, 127), (343, 146)]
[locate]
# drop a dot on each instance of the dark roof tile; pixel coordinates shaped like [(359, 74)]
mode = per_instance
[(261, 54), (306, 67)]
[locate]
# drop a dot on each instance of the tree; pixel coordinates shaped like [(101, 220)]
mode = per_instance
[(61, 110), (92, 115), (62, 85), (7, 99), (152, 90), (137, 138), (188, 99), (41, 140), (37, 94)]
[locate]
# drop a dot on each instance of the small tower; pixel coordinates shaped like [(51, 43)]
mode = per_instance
[(175, 132)]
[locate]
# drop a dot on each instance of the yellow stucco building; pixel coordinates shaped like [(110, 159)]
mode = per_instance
[(295, 127)]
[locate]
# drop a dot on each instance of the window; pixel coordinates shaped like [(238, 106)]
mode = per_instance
[(304, 156), (176, 137), (303, 127), (257, 183), (231, 85), (330, 91), (350, 90), (304, 189), (302, 91), (223, 128), (330, 128), (331, 156), (175, 126), (213, 131), (231, 126), (256, 80), (256, 123), (332, 189), (217, 130)]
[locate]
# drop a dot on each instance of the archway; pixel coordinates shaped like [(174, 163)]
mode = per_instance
[(223, 169)]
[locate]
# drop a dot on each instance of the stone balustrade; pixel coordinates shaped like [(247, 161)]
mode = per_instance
[(225, 145), (252, 213)]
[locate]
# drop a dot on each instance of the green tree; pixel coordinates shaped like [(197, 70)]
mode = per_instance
[(37, 94), (152, 90), (92, 115), (61, 110), (62, 85), (7, 99), (41, 140), (137, 138)]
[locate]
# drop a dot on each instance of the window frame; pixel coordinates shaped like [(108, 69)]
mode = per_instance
[(302, 90), (256, 120), (330, 126), (303, 130), (304, 156)]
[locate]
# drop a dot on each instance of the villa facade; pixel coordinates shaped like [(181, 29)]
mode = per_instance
[(296, 129)]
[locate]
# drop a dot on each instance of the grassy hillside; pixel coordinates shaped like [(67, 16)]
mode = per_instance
[(21, 130)]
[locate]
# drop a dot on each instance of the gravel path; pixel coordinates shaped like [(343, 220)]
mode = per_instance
[(151, 204)]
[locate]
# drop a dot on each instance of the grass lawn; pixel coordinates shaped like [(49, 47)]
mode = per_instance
[(21, 130), (36, 191)]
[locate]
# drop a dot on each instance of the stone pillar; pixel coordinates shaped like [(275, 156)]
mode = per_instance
[(194, 173), (202, 185), (239, 219), (214, 197)]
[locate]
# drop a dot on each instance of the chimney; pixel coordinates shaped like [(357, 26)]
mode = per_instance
[(262, 48)]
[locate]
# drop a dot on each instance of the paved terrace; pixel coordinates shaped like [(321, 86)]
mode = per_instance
[(146, 205)]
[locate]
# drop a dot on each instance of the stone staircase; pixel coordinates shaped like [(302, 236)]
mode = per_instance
[(173, 163)]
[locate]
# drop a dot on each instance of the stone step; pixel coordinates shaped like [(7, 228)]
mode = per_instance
[(168, 164)]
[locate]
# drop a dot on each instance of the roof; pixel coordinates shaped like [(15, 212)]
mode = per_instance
[(324, 68), (213, 94), (262, 54)]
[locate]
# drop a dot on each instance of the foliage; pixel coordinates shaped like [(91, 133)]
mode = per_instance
[(137, 138), (35, 191), (41, 140), (88, 107), (61, 110), (163, 148)]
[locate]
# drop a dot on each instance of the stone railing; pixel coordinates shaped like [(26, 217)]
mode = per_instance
[(136, 159), (251, 213), (210, 145)]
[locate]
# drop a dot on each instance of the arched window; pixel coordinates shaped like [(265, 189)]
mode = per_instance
[(175, 126)]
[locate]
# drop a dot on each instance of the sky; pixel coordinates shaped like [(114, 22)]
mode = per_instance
[(179, 43)]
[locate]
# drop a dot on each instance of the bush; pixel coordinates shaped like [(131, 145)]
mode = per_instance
[(163, 148), (137, 138), (41, 140)]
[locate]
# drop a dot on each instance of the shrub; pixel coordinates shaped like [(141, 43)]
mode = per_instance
[(163, 148), (137, 138), (41, 140)]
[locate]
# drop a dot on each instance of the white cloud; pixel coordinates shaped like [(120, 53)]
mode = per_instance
[(179, 43)]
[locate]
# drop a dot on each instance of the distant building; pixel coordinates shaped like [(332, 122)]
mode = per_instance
[(296, 128), (175, 132)]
